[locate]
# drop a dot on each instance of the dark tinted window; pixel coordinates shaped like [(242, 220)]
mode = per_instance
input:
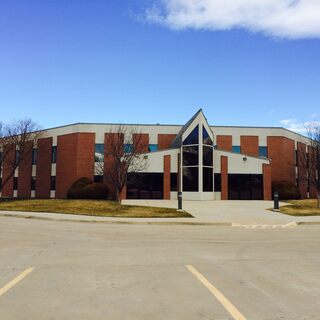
[(207, 179), (190, 179), (245, 187), (98, 179), (33, 183), (99, 152), (205, 137), (17, 156), (173, 182), (207, 156), (54, 154), (128, 148), (34, 156), (145, 186), (15, 183), (217, 182), (53, 183), (191, 156), (193, 137)]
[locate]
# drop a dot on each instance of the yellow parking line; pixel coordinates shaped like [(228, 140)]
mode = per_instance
[(235, 313), (14, 281)]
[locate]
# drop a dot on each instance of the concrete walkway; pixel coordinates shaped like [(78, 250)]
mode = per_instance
[(236, 212), (220, 213)]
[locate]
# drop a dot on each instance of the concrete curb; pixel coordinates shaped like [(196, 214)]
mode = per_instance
[(186, 223)]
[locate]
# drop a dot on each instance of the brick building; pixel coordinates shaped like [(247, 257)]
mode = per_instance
[(208, 162)]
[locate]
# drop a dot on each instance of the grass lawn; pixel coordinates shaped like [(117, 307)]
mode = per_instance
[(101, 208), (301, 208)]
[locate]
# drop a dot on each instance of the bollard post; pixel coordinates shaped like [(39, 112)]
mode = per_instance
[(276, 201), (179, 200)]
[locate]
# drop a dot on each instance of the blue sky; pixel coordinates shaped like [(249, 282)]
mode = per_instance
[(67, 61)]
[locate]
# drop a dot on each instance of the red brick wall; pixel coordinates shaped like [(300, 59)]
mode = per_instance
[(75, 159), (7, 189), (166, 177), (302, 169), (267, 193), (224, 143), (43, 176), (25, 172), (281, 151), (250, 145), (141, 140), (164, 140), (224, 177)]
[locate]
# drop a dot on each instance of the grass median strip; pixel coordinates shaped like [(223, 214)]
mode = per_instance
[(16, 280), (301, 208), (100, 208)]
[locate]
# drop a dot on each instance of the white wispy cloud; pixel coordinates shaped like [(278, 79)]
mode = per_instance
[(278, 18), (297, 126)]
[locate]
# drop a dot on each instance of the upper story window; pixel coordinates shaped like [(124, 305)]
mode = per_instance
[(17, 156), (190, 156), (263, 152), (193, 137), (236, 149), (99, 152), (34, 156), (205, 137), (153, 147), (127, 148), (207, 159), (54, 154)]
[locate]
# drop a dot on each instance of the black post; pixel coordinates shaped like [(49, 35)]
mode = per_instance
[(179, 200), (276, 200)]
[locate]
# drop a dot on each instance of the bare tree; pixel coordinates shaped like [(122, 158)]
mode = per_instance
[(124, 154), (313, 163), (17, 139)]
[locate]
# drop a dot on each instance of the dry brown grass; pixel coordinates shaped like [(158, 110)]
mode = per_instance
[(101, 208), (306, 207)]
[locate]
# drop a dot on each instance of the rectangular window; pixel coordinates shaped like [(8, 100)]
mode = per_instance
[(217, 182), (296, 157), (207, 156), (236, 149), (190, 179), (34, 156), (53, 183), (207, 179), (99, 152), (127, 148), (191, 156), (54, 154), (15, 183), (173, 181), (153, 147), (33, 183), (98, 179), (17, 156), (263, 152)]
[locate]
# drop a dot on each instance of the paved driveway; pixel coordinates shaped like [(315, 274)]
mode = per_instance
[(242, 212)]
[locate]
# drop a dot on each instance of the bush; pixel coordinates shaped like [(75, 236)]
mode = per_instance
[(84, 188), (287, 190), (76, 189), (95, 191)]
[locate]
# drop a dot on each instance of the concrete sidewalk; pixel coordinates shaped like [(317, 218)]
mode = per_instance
[(219, 213)]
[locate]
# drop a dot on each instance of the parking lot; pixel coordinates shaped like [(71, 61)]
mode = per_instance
[(70, 270)]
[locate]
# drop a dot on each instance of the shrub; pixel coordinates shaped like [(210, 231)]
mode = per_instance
[(95, 191), (76, 189), (287, 190), (84, 188)]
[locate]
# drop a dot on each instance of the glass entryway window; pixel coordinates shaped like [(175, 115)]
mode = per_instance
[(190, 161), (207, 161)]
